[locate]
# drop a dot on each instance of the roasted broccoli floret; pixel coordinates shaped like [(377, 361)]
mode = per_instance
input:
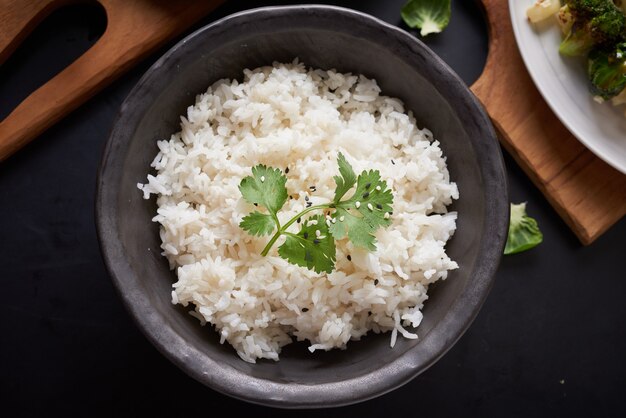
[(607, 71), (595, 23)]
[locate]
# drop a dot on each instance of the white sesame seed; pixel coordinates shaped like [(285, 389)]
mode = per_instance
[(386, 215), (370, 207), (328, 222), (357, 204), (313, 222), (317, 233), (341, 218), (334, 220), (378, 188), (322, 237), (262, 179)]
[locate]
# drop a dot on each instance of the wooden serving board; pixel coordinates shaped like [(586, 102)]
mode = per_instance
[(586, 192), (589, 194), (135, 28)]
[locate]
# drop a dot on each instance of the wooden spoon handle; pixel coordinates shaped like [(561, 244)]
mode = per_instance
[(18, 18), (134, 30)]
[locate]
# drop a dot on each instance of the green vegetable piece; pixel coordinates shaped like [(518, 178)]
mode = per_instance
[(307, 248), (258, 224), (524, 232), (577, 43), (607, 71), (431, 16), (265, 187), (596, 23), (347, 179)]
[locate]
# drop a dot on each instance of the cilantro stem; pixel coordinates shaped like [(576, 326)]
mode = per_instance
[(304, 212), (282, 230), (271, 242)]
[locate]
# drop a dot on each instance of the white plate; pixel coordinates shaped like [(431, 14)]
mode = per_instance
[(563, 84)]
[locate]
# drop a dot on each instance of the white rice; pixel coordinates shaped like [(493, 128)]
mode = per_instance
[(287, 116)]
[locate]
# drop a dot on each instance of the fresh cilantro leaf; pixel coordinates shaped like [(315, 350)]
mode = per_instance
[(356, 228), (524, 232), (258, 224), (347, 179), (368, 209), (265, 187), (367, 193), (310, 249)]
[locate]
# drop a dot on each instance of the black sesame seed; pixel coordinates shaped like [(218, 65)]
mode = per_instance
[(393, 162), (316, 241), (299, 220), (308, 204), (369, 313), (375, 282), (379, 206), (312, 187), (305, 309), (349, 257), (256, 204), (368, 185), (287, 170), (366, 195), (306, 198), (290, 197), (306, 235), (390, 213)]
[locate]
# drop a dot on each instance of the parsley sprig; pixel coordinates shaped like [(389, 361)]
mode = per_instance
[(357, 217)]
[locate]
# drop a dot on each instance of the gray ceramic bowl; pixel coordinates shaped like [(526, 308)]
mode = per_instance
[(322, 37)]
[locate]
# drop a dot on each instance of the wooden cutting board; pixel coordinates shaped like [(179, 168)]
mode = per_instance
[(589, 194), (586, 192), (135, 28)]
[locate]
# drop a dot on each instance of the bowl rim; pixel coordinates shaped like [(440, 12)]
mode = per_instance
[(233, 382)]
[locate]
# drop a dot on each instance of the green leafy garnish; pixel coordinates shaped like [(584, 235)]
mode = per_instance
[(346, 180), (265, 187), (431, 16), (361, 215), (524, 232), (258, 224), (356, 218), (309, 248)]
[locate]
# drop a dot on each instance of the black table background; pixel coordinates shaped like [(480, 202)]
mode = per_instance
[(549, 341)]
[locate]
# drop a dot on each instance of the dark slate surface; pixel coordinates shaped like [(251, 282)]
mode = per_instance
[(549, 341)]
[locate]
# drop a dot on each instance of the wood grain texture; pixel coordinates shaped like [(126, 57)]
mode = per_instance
[(18, 18), (587, 193), (135, 28)]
